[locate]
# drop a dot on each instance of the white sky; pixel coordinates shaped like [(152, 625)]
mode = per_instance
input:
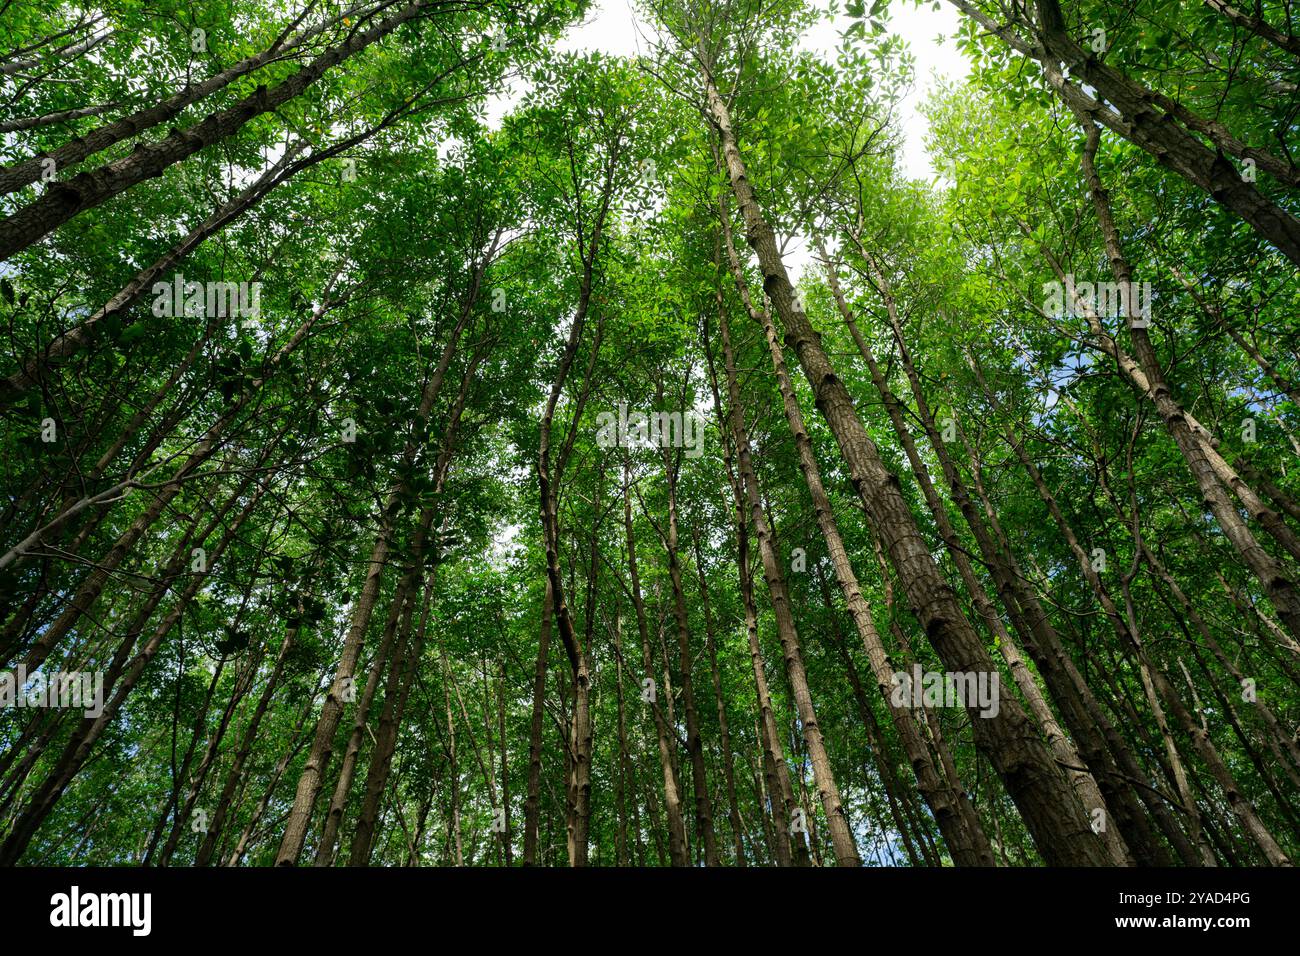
[(921, 27), (612, 27)]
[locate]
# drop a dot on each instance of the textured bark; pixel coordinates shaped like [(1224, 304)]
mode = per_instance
[(142, 120), (1153, 123), (968, 846), (1258, 26), (677, 845), (1047, 650), (1046, 801), (388, 658), (694, 744), (776, 774), (846, 853), (532, 799), (52, 119), (1157, 389), (1131, 779), (396, 689), (312, 777), (724, 728), (1160, 691)]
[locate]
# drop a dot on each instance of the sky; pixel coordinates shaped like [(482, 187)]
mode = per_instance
[(612, 27)]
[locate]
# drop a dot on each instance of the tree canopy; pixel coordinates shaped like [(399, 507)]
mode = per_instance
[(421, 445)]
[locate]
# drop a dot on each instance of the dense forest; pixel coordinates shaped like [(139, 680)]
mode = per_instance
[(423, 446)]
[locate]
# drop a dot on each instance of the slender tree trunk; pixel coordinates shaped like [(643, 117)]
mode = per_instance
[(532, 800), (71, 153), (1150, 122), (1039, 788), (312, 777), (776, 775), (968, 845), (1160, 691), (694, 743), (234, 775), (82, 741), (388, 658), (724, 730), (677, 847), (846, 853)]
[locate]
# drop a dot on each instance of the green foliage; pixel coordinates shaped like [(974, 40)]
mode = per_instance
[(425, 244)]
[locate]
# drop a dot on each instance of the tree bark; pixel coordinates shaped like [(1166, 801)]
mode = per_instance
[(1046, 801)]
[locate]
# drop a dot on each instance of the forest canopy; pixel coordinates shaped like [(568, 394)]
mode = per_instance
[(424, 444)]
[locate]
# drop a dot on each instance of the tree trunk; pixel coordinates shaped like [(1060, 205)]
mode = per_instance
[(1045, 798), (677, 847)]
